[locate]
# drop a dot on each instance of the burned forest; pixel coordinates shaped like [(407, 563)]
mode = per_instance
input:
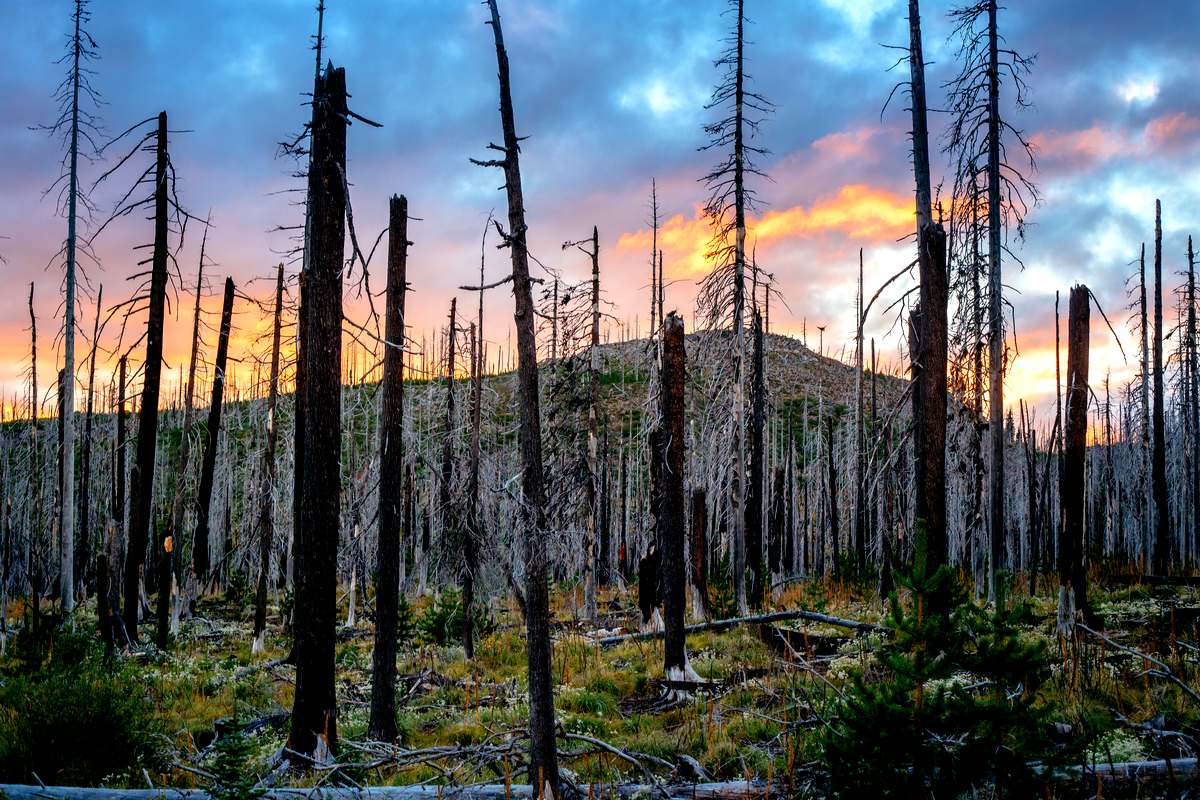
[(895, 492)]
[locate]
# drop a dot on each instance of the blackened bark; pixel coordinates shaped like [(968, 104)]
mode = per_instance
[(200, 556), (700, 549), (593, 488), (392, 492), (139, 529), (314, 713), (929, 353), (266, 499), (1072, 575), (543, 751), (757, 480), (1194, 404), (83, 551), (834, 533), (929, 399), (995, 313), (775, 529), (471, 533), (673, 552), (622, 553), (1162, 511), (118, 502)]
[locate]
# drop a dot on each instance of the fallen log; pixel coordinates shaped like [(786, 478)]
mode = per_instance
[(779, 616), (734, 790), (1149, 580), (1133, 773)]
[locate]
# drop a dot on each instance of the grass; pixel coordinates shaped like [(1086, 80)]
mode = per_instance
[(770, 724)]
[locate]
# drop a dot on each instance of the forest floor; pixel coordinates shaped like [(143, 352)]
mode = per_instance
[(759, 713)]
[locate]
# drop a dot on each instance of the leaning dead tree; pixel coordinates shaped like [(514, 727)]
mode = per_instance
[(200, 555), (543, 753)]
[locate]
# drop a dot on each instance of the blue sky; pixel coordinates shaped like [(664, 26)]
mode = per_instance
[(610, 94)]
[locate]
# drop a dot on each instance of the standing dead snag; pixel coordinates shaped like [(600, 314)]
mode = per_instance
[(675, 663), (139, 529), (314, 714), (392, 492), (930, 349), (1162, 509), (266, 520), (756, 486), (1072, 592), (200, 556), (699, 543), (543, 751), (593, 435), (185, 445)]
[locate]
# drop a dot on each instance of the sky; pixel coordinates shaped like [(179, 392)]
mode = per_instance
[(611, 94)]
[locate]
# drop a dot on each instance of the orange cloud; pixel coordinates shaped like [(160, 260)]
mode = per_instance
[(859, 212), (1165, 135), (847, 144)]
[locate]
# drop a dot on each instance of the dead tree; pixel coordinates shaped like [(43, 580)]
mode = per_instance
[(1072, 595), (84, 551), (185, 445), (1193, 351), (543, 752), (929, 352), (392, 493), (756, 484), (266, 500), (722, 293), (699, 547), (314, 714), (139, 529), (674, 582), (1162, 509), (200, 555), (974, 136)]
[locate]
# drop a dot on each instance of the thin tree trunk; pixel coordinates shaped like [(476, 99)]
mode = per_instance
[(85, 485), (757, 482), (314, 713), (446, 510), (1072, 576), (699, 546), (266, 520), (185, 447), (200, 555), (147, 438), (1162, 510), (1144, 477), (543, 752), (1194, 405), (738, 486), (929, 399), (995, 315), (593, 494)]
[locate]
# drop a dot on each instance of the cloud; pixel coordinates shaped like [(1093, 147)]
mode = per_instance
[(1165, 136), (857, 212)]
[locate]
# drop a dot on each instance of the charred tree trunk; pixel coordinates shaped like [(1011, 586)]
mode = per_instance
[(185, 445), (393, 495), (200, 555), (543, 752), (834, 533), (83, 552), (757, 481), (1162, 510), (593, 494), (929, 397), (1194, 405), (117, 535), (675, 663), (1072, 576), (314, 713), (266, 499), (445, 504), (470, 530), (778, 523), (995, 314), (139, 530), (700, 552)]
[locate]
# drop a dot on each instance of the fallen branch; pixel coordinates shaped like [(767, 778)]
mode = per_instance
[(1126, 774), (733, 790), (723, 624), (1164, 673)]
